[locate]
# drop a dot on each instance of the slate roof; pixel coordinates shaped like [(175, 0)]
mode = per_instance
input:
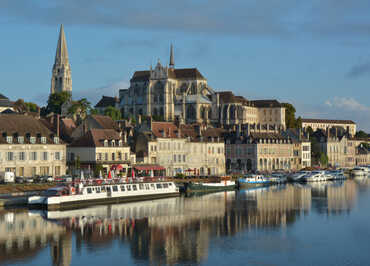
[(106, 122), (229, 97), (327, 121), (180, 73), (96, 137), (106, 101), (266, 103), (22, 125), (164, 129), (4, 101)]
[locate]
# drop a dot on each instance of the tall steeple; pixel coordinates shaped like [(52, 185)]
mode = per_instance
[(61, 79), (172, 58)]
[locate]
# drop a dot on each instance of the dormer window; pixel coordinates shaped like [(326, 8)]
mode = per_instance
[(120, 143), (43, 140), (113, 143), (32, 140), (56, 140), (9, 139), (20, 140), (105, 143)]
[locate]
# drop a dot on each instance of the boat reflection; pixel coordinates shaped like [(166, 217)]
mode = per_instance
[(168, 231)]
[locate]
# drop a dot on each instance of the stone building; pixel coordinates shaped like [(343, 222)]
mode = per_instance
[(101, 146), (362, 155), (5, 104), (106, 101), (186, 149), (28, 148), (61, 79), (167, 93), (324, 124)]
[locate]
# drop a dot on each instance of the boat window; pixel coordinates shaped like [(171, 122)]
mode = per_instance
[(115, 188), (102, 189), (108, 188), (141, 186), (165, 185), (122, 187), (134, 187), (89, 190), (147, 186), (97, 190), (159, 185), (170, 184), (128, 187), (152, 186)]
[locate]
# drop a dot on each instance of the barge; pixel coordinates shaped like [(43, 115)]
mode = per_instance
[(68, 197)]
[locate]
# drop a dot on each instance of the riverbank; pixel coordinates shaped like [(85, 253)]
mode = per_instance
[(21, 189)]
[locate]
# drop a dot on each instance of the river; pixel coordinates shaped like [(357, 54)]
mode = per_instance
[(326, 223)]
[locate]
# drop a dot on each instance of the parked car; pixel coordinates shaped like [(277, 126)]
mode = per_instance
[(29, 180), (19, 180), (50, 179)]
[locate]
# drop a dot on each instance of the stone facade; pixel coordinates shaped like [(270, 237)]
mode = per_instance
[(28, 148), (325, 124), (181, 150), (61, 79), (168, 93)]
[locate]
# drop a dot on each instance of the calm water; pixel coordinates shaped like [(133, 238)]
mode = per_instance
[(318, 224)]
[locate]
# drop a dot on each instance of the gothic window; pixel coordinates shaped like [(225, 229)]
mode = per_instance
[(190, 112), (232, 112)]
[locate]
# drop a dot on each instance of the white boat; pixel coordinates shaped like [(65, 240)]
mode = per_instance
[(298, 176), (359, 171), (315, 176), (254, 180), (65, 197), (336, 175)]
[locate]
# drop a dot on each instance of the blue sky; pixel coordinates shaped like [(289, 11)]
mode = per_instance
[(313, 54)]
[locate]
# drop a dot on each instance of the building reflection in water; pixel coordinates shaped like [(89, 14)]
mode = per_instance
[(175, 230), (23, 235)]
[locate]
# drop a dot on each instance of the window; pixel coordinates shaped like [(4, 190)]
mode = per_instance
[(120, 143), (56, 140), (57, 156), (141, 186), (113, 143), (113, 156), (115, 188), (106, 156), (174, 157), (105, 143), (119, 156), (22, 156), (152, 186), (159, 186), (32, 140), (183, 158), (97, 189), (45, 156), (179, 158), (21, 140), (89, 190), (43, 140), (9, 156), (9, 139), (108, 188), (99, 156), (128, 188), (134, 187), (122, 187)]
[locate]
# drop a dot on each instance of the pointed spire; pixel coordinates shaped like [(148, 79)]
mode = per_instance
[(61, 55), (172, 58)]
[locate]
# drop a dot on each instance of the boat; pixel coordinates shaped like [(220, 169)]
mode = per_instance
[(223, 185), (336, 175), (254, 181), (297, 177), (74, 196), (360, 171), (278, 178), (316, 176)]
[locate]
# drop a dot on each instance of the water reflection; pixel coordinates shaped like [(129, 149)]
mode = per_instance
[(168, 231)]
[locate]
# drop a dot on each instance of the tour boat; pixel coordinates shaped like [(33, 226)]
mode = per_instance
[(278, 178), (210, 186), (254, 180), (315, 176), (64, 197), (359, 171)]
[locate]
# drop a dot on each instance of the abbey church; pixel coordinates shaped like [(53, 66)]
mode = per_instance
[(168, 93)]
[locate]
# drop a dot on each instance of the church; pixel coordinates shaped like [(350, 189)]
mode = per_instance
[(167, 93)]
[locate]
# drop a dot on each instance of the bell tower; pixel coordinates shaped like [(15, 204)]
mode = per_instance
[(61, 79)]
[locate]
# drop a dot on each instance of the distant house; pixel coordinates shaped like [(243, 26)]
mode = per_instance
[(6, 106), (105, 102), (94, 122)]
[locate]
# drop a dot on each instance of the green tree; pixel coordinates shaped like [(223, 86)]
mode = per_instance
[(361, 135), (97, 169), (323, 159), (32, 107), (56, 100), (290, 121), (80, 108), (94, 111), (77, 162), (113, 112), (298, 122)]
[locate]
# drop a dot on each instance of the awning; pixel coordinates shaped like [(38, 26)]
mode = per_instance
[(116, 167), (149, 167)]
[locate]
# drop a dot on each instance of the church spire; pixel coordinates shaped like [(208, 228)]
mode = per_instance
[(61, 55), (172, 58), (61, 79)]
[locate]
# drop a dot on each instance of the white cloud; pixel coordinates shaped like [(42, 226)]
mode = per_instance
[(347, 103)]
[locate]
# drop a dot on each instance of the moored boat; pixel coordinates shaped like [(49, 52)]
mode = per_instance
[(254, 181), (316, 176), (210, 186), (359, 171), (64, 197)]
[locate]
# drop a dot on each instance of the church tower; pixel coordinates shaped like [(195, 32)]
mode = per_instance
[(172, 58), (61, 79)]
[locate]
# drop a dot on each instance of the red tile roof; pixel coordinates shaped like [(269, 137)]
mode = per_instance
[(96, 137), (164, 130)]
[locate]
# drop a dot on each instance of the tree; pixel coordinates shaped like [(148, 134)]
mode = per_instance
[(290, 121), (80, 108), (298, 122), (361, 135), (98, 168), (56, 100), (94, 111), (323, 159), (113, 112)]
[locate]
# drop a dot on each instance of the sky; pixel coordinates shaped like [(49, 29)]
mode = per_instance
[(314, 54)]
